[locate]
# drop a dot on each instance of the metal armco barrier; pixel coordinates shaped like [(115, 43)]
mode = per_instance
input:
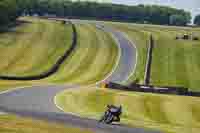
[(147, 75), (153, 89)]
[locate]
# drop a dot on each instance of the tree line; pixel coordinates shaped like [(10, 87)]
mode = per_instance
[(10, 9), (197, 20)]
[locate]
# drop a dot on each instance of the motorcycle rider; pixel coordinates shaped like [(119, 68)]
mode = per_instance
[(116, 111)]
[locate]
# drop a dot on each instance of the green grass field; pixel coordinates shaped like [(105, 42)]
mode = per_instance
[(14, 124), (26, 48), (175, 62), (170, 114), (93, 59), (34, 47)]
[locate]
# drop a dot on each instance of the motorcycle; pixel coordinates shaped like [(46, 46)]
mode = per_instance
[(112, 114)]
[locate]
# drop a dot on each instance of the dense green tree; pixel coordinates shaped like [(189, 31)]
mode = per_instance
[(10, 9), (178, 20), (197, 20)]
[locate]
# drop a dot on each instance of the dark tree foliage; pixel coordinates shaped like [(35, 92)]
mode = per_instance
[(8, 11), (105, 11), (178, 20), (197, 20)]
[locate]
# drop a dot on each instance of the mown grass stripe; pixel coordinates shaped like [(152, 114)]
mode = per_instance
[(19, 46), (90, 55), (92, 60), (170, 114), (53, 69)]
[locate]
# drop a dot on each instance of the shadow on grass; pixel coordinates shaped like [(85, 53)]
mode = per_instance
[(11, 26)]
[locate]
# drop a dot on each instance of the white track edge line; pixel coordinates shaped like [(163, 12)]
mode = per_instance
[(107, 77)]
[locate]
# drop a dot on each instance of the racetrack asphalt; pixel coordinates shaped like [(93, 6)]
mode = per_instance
[(38, 101), (128, 56)]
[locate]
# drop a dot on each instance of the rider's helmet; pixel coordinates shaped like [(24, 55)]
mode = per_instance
[(109, 106)]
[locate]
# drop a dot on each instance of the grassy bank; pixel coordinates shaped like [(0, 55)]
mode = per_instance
[(170, 114), (36, 45), (32, 48), (93, 59), (14, 124), (175, 62)]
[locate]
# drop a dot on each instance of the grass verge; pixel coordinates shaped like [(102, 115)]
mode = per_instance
[(175, 62), (33, 47), (170, 114), (92, 60)]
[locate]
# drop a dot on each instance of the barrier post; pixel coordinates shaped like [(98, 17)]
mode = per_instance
[(147, 75)]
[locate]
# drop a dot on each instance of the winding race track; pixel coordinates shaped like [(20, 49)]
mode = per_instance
[(38, 101), (128, 56)]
